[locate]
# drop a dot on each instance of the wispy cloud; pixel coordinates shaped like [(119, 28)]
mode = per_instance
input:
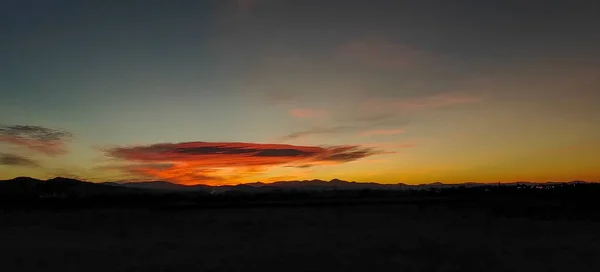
[(348, 125), (376, 111), (420, 103), (41, 139), (306, 112), (16, 160), (206, 162), (245, 6), (278, 97), (382, 53), (372, 118), (390, 145), (318, 131), (382, 132)]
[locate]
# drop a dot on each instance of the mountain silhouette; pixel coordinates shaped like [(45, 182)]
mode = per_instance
[(154, 185), (61, 186), (57, 187)]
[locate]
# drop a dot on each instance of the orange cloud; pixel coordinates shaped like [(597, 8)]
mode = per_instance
[(40, 139), (219, 163), (382, 132), (183, 173), (306, 112), (389, 145), (283, 178)]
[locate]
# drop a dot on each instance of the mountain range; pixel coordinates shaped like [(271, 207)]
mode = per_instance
[(60, 186)]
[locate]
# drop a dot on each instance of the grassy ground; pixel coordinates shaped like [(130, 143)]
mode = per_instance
[(367, 238)]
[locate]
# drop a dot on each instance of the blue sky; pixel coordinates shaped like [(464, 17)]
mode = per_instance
[(423, 90)]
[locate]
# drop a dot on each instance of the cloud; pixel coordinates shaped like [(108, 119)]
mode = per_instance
[(181, 173), (306, 112), (420, 103), (213, 162), (382, 132), (381, 53), (317, 131), (301, 166), (375, 111), (348, 125), (279, 97), (245, 6), (376, 118), (40, 139), (344, 154), (389, 145), (16, 160)]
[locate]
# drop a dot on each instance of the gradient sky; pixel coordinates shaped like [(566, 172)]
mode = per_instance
[(233, 91)]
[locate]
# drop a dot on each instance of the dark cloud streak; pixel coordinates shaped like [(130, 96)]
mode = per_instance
[(40, 139), (16, 160), (318, 131), (35, 132)]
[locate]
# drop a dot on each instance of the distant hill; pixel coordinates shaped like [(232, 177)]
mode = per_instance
[(337, 184), (334, 184), (159, 185), (57, 187)]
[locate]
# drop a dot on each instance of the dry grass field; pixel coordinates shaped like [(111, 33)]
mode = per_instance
[(346, 238)]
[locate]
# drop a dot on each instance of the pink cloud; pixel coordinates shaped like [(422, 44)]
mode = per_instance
[(382, 132), (245, 6), (51, 148), (306, 112), (48, 141), (381, 53)]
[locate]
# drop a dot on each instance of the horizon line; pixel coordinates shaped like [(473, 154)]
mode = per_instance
[(319, 180)]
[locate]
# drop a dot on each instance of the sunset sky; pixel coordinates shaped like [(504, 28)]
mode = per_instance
[(234, 91)]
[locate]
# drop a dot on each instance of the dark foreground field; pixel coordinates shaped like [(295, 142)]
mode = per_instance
[(344, 238)]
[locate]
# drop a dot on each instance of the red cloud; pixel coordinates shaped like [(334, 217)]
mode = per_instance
[(383, 132), (44, 140), (206, 162), (306, 112)]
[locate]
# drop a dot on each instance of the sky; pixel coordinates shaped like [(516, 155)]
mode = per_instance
[(234, 91)]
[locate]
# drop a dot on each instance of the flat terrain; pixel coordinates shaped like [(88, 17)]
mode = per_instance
[(345, 238)]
